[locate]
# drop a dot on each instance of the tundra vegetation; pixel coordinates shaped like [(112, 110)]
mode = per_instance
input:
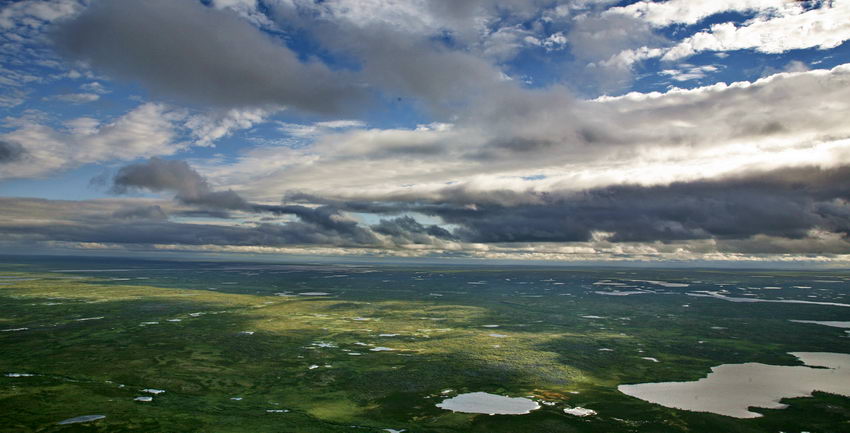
[(118, 345)]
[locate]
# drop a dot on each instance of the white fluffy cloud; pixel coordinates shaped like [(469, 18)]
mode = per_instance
[(662, 14), (788, 119), (145, 131), (150, 129), (688, 72), (77, 98), (36, 13), (206, 128), (824, 27)]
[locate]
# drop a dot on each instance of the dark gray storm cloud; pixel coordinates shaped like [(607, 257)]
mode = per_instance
[(146, 232), (10, 151), (327, 218), (407, 230), (160, 175), (770, 212), (180, 48), (402, 61), (767, 204), (785, 203), (140, 212), (118, 221)]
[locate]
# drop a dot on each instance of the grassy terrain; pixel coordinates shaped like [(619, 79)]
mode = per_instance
[(231, 342)]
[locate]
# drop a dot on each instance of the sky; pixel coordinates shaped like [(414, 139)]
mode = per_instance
[(568, 131)]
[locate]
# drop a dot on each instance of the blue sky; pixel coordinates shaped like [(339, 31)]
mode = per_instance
[(568, 131)]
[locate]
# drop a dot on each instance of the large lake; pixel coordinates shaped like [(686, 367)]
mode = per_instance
[(731, 389)]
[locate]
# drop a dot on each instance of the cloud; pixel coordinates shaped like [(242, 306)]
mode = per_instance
[(95, 87), (10, 152), (785, 120), (504, 168), (597, 37), (35, 13), (13, 98), (208, 127), (505, 42), (77, 98), (555, 41), (318, 128), (823, 28), (24, 55), (785, 203), (686, 72), (148, 232), (147, 130), (191, 188), (802, 212), (406, 230), (247, 9), (129, 223), (796, 66), (442, 53), (794, 28), (17, 78), (662, 14), (588, 37), (185, 50), (159, 175), (153, 212), (444, 79)]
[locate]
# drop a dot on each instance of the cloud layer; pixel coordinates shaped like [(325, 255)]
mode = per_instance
[(802, 210), (567, 129)]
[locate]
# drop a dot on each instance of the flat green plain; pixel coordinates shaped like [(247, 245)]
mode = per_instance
[(238, 347)]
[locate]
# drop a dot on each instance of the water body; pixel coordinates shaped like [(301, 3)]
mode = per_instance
[(730, 389), (716, 295), (491, 404), (662, 283), (623, 293), (83, 418), (831, 323)]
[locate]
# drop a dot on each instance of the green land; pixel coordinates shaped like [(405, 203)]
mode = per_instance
[(237, 349)]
